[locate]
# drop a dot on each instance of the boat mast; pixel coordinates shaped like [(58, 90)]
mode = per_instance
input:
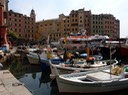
[(110, 60), (48, 42)]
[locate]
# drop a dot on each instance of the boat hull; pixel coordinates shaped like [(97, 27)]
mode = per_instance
[(124, 51), (33, 59), (63, 68), (45, 63), (78, 87)]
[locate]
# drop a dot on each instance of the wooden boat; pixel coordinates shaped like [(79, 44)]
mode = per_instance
[(26, 49), (33, 58), (45, 67), (96, 81), (79, 66), (36, 58)]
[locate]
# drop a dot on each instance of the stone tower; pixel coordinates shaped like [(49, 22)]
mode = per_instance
[(32, 14)]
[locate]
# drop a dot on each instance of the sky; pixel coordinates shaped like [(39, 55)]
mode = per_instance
[(50, 9)]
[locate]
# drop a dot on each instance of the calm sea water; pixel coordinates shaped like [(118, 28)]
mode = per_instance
[(38, 82)]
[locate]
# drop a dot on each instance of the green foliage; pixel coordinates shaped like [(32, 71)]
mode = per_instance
[(12, 36)]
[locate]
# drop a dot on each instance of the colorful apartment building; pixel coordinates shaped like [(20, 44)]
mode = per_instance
[(24, 26), (77, 21), (81, 21)]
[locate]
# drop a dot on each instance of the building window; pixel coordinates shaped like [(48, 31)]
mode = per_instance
[(19, 35)]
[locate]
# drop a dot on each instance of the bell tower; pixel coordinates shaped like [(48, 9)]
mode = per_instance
[(32, 14)]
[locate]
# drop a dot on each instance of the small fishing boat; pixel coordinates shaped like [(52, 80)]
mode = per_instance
[(26, 49), (36, 58), (80, 66), (33, 57), (94, 81)]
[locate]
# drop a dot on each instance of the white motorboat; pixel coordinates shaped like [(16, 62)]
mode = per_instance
[(96, 81)]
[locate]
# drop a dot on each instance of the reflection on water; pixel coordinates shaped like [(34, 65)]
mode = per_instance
[(40, 85), (36, 85), (38, 82)]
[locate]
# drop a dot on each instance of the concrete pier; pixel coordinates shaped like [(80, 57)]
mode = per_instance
[(9, 85)]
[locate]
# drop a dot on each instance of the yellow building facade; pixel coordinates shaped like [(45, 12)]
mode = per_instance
[(49, 28), (79, 21)]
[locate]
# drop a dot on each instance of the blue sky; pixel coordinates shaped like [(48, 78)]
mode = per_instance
[(48, 9)]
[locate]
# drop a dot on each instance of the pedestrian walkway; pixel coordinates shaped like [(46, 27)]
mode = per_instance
[(9, 85)]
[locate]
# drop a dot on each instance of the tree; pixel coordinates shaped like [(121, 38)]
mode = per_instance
[(12, 36)]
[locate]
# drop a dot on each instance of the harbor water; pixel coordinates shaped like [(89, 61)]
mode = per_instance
[(38, 82)]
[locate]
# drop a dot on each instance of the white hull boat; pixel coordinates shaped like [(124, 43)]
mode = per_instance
[(98, 81), (33, 58), (80, 66)]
